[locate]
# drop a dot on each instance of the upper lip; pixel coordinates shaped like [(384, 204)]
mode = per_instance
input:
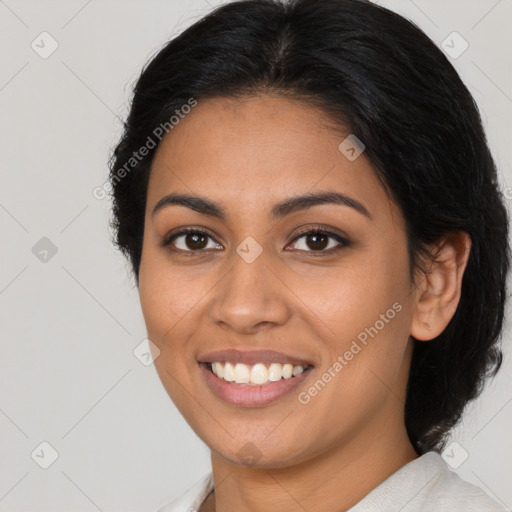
[(251, 357)]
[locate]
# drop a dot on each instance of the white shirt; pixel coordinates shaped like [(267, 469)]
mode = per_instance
[(425, 484)]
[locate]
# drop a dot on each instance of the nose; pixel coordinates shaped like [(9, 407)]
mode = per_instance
[(251, 297)]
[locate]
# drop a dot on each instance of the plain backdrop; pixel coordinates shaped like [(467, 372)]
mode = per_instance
[(70, 315)]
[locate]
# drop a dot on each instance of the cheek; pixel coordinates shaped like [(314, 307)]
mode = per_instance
[(165, 296), (351, 297), (164, 306), (369, 313)]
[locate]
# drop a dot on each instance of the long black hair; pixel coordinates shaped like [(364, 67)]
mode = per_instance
[(377, 73)]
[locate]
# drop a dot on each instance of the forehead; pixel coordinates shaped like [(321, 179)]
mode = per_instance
[(260, 149)]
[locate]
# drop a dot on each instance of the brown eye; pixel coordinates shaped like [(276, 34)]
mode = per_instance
[(190, 240), (316, 240), (195, 241)]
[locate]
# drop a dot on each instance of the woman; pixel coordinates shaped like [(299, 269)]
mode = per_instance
[(311, 211)]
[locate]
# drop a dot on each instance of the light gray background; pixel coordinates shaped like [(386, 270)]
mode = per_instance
[(69, 325)]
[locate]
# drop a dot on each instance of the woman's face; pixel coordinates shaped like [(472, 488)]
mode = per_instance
[(339, 304)]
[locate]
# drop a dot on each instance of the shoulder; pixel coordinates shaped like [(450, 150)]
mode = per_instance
[(191, 499), (426, 484), (452, 491)]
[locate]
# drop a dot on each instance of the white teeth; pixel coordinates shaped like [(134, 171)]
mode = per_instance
[(229, 372), (275, 372), (297, 370), (259, 374), (256, 375), (218, 369), (242, 374), (287, 371)]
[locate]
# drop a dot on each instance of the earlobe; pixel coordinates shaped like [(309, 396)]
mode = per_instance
[(438, 290)]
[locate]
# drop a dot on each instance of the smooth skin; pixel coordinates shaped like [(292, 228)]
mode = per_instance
[(297, 297)]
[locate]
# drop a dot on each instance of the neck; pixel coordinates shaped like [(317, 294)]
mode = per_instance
[(336, 480)]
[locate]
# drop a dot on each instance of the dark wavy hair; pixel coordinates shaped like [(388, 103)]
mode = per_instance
[(381, 76)]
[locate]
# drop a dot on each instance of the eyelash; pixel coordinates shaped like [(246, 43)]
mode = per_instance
[(310, 231)]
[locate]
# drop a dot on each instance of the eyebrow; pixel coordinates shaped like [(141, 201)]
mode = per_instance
[(279, 210)]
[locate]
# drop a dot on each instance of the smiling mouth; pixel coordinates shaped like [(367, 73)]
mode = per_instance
[(259, 374)]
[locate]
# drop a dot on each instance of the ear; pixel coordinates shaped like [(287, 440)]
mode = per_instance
[(438, 289)]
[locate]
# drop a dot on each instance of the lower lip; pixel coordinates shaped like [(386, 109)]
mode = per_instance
[(246, 395)]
